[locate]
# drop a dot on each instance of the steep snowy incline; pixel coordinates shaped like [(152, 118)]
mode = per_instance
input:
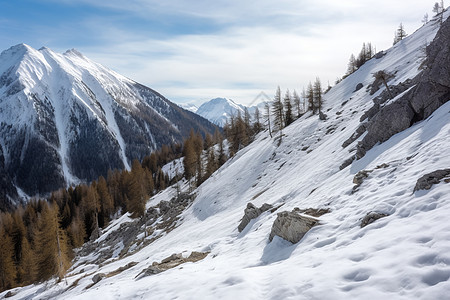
[(404, 255)]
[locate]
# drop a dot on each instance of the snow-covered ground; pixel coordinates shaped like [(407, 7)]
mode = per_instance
[(405, 255)]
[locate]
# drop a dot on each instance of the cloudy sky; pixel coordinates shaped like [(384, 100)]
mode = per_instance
[(192, 51)]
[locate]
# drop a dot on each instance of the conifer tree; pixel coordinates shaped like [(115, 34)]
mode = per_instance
[(189, 158), (288, 117), (257, 124), (7, 269), (278, 115), (52, 251), (106, 202), (137, 192), (267, 117), (222, 156), (400, 34), (317, 94), (26, 269), (351, 65), (76, 232), (297, 104), (211, 165), (310, 97)]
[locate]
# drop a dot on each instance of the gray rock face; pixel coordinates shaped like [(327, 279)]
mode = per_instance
[(322, 116), (432, 89), (252, 212), (291, 226), (426, 181), (390, 120), (358, 87)]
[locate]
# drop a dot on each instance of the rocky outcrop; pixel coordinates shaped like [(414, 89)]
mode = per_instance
[(252, 212), (371, 217), (170, 262), (157, 221), (291, 226), (426, 181), (431, 90)]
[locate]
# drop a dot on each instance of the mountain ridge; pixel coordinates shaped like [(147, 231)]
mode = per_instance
[(80, 118)]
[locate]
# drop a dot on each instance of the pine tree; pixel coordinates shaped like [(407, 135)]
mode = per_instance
[(400, 34), (267, 117), (52, 251), (189, 158), (106, 202), (7, 269), (310, 97), (222, 156), (26, 270), (288, 117), (137, 192), (277, 113), (76, 233), (257, 124), (317, 94), (211, 165), (297, 103)]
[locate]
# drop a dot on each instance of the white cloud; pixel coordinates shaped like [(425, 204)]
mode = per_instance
[(253, 46)]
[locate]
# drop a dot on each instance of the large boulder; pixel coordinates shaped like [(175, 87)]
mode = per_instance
[(252, 212), (291, 226)]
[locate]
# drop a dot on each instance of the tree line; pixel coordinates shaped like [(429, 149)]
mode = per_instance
[(38, 238)]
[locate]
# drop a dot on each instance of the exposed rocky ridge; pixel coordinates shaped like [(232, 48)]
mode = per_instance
[(65, 119), (426, 181), (431, 90), (157, 221), (170, 262), (252, 212)]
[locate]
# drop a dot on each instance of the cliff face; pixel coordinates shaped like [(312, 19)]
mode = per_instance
[(425, 93)]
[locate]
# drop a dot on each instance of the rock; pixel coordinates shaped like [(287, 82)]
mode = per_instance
[(370, 113), (252, 212), (380, 54), (427, 92), (426, 181), (390, 120), (371, 217), (358, 87), (9, 294), (360, 176), (97, 277), (291, 226), (322, 116)]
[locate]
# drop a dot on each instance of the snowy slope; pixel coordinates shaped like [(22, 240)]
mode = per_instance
[(405, 255), (79, 118)]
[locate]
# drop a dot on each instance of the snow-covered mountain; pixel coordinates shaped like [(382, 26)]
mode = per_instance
[(402, 255), (219, 110), (65, 119)]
